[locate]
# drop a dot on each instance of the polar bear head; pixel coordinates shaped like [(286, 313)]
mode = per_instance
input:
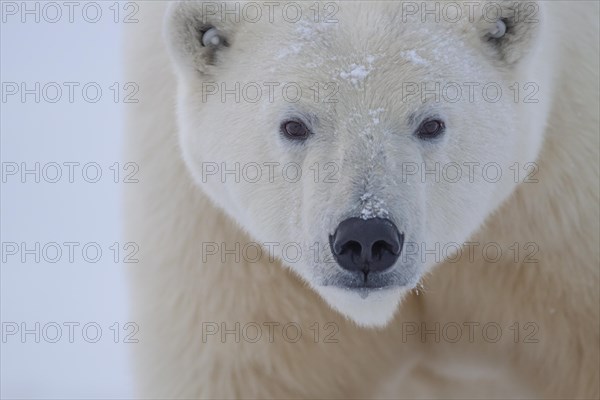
[(354, 139)]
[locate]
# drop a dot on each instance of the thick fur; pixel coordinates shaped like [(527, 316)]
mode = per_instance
[(171, 212)]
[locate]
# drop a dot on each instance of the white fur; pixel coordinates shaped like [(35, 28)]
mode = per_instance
[(374, 309), (369, 53)]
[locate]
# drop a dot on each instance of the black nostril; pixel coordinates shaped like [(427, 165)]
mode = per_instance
[(351, 246), (371, 245), (352, 249), (379, 249)]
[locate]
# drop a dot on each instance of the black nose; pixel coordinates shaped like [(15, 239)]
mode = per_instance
[(371, 245)]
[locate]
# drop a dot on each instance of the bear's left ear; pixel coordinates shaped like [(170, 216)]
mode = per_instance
[(197, 36), (510, 29)]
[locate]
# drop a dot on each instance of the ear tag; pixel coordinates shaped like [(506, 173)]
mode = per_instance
[(498, 30), (211, 38)]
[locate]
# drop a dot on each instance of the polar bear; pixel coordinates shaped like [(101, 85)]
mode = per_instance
[(365, 199)]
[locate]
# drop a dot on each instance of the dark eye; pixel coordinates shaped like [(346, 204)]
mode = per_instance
[(295, 129), (431, 128)]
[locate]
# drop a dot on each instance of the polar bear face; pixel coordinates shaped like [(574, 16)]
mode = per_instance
[(359, 143)]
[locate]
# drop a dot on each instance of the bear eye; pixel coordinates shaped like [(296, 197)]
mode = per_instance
[(431, 128), (294, 129)]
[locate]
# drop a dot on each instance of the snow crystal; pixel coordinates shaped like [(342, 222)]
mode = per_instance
[(372, 207), (356, 75), (294, 48), (366, 196), (412, 56), (305, 32), (374, 114)]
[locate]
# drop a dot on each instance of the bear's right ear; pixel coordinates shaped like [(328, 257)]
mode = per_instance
[(196, 36)]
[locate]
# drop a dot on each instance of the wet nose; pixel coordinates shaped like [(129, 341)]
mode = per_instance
[(371, 245)]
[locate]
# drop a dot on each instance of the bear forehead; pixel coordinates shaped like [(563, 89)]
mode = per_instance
[(369, 40)]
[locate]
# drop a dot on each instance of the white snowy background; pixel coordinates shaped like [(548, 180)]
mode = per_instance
[(81, 292)]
